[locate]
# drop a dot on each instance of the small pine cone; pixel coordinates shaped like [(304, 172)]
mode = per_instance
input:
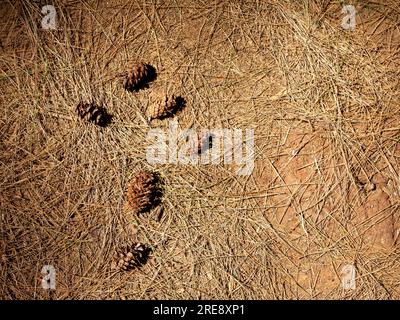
[(130, 257), (165, 106), (138, 77), (143, 192), (93, 113)]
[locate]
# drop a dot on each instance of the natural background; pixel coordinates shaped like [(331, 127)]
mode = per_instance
[(324, 104)]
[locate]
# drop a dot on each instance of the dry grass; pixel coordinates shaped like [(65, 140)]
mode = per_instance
[(285, 68)]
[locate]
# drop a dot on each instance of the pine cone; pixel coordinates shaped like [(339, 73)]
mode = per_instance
[(165, 106), (130, 257), (93, 113), (143, 192), (138, 77)]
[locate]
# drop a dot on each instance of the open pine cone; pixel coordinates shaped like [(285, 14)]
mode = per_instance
[(138, 77), (93, 113), (165, 106), (143, 192), (130, 257)]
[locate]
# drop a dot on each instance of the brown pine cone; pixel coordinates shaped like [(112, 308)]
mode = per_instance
[(165, 106), (93, 113), (130, 257), (139, 76), (144, 192)]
